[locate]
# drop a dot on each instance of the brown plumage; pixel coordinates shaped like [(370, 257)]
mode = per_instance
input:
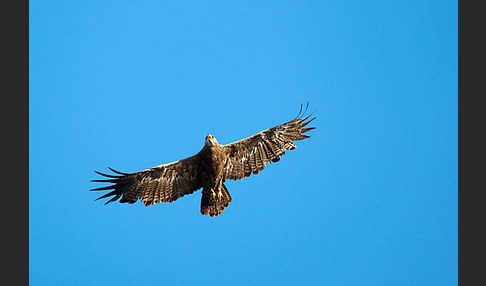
[(208, 169)]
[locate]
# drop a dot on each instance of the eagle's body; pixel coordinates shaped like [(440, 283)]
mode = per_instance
[(215, 196), (208, 169), (212, 159)]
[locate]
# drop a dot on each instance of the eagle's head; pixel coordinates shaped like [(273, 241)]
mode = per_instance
[(211, 140)]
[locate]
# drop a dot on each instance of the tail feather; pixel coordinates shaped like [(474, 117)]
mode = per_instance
[(213, 202)]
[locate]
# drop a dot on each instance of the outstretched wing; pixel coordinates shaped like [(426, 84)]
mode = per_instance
[(164, 183), (251, 154)]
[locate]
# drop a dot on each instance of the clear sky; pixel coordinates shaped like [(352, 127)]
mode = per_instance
[(369, 199)]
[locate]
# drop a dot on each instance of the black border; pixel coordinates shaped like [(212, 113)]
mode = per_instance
[(471, 105), (15, 138)]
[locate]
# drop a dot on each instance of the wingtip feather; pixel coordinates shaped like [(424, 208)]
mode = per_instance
[(106, 175), (118, 172), (305, 123), (308, 129), (105, 181), (113, 199), (103, 188)]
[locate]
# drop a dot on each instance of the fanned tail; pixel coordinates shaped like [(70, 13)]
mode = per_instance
[(213, 202)]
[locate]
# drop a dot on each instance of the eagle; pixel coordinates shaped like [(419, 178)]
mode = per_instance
[(208, 169)]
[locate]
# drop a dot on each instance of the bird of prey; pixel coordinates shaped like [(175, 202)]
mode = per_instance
[(208, 169)]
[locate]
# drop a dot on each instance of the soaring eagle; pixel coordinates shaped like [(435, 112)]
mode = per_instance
[(208, 169)]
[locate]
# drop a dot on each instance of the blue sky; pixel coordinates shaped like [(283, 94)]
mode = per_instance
[(369, 199)]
